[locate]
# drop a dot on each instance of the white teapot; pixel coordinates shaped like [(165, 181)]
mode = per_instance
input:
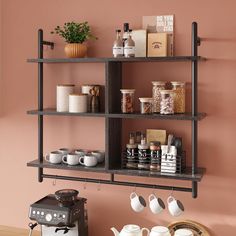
[(160, 231), (130, 230)]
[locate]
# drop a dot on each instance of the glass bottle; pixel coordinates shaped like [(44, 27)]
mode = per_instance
[(155, 156), (129, 48), (131, 152), (118, 48), (126, 33), (143, 154), (157, 86), (179, 97)]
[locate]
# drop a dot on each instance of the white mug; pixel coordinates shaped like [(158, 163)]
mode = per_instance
[(183, 232), (81, 152), (160, 231), (54, 157), (71, 159), (175, 207), (64, 150), (156, 204), (137, 202), (88, 160), (99, 155)]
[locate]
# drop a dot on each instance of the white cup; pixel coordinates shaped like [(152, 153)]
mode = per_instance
[(71, 159), (88, 160), (64, 151), (175, 207), (156, 205), (183, 232), (160, 231), (99, 155), (81, 152), (54, 157), (137, 202)]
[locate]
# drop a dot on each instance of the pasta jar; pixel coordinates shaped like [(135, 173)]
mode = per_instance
[(179, 98), (146, 105), (167, 102), (127, 100), (157, 86)]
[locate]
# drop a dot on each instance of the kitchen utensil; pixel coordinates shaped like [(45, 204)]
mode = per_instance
[(88, 160), (160, 231), (54, 157), (175, 207), (197, 228), (156, 205), (137, 202), (130, 230)]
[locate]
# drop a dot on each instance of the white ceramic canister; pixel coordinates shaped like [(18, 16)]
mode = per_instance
[(78, 103), (63, 92)]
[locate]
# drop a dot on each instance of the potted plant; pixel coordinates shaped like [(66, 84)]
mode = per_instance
[(75, 34)]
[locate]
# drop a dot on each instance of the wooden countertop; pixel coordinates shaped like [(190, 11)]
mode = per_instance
[(11, 231)]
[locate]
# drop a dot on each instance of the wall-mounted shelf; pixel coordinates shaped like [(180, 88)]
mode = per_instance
[(113, 121)]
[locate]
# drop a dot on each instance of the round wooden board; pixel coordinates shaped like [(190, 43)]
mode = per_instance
[(196, 228)]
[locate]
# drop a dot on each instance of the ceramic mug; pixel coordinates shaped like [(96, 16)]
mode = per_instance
[(156, 205), (175, 207), (81, 152), (137, 202), (160, 231), (64, 151), (99, 155), (71, 159), (88, 160), (54, 157)]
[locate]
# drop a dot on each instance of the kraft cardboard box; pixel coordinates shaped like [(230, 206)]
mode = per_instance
[(161, 24), (157, 45)]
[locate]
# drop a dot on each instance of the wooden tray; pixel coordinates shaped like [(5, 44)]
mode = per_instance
[(196, 228)]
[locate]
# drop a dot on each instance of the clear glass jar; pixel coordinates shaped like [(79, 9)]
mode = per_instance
[(157, 86), (127, 100), (179, 98), (146, 105), (167, 102)]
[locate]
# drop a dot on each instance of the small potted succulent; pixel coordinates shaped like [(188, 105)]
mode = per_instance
[(75, 34)]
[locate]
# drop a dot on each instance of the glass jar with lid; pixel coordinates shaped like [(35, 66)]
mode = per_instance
[(167, 102), (157, 86), (127, 100), (179, 97), (146, 105)]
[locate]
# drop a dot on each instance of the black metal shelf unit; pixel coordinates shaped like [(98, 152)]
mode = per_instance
[(113, 120)]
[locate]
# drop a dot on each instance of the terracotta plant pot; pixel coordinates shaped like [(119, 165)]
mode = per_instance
[(74, 50)]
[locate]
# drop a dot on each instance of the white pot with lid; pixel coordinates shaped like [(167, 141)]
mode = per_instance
[(160, 231), (130, 230), (183, 232)]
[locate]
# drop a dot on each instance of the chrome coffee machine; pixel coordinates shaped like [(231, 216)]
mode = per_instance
[(62, 213)]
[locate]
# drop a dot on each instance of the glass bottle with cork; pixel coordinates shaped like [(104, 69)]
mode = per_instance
[(129, 48), (126, 33), (118, 47), (143, 154)]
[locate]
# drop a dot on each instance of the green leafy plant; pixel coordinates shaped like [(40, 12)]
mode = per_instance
[(74, 32)]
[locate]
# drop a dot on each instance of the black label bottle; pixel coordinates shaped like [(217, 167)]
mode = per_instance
[(126, 33), (118, 48), (131, 152), (143, 154)]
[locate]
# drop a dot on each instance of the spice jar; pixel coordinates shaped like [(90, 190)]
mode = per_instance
[(167, 102), (146, 105), (155, 155), (127, 101), (179, 98), (131, 152), (143, 154), (157, 87)]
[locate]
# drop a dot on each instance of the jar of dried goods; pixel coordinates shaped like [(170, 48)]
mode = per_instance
[(157, 86), (155, 154), (146, 105), (179, 98), (127, 100), (167, 102)]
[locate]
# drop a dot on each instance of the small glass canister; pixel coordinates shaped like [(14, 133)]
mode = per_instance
[(167, 102), (157, 87), (127, 100), (146, 105), (179, 98)]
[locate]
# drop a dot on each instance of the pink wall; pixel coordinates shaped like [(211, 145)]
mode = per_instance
[(215, 205)]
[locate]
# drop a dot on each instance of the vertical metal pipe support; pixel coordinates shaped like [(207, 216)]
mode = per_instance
[(40, 103), (195, 43)]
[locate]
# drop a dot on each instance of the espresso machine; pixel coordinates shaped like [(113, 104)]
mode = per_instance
[(62, 213)]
